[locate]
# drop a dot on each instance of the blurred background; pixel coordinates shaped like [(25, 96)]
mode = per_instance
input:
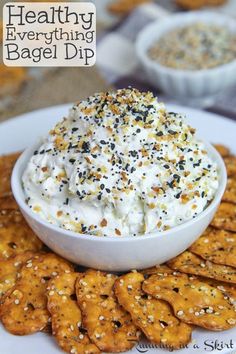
[(120, 24)]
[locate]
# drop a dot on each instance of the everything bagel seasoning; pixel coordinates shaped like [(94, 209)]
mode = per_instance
[(195, 47)]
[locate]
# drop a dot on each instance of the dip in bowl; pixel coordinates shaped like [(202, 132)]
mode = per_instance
[(119, 184)]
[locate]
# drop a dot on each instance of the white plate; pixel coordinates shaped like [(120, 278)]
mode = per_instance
[(18, 133)]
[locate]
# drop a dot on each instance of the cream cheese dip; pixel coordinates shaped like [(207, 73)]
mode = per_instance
[(120, 165)]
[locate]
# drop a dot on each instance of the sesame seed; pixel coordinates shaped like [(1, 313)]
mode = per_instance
[(209, 310), (150, 318)]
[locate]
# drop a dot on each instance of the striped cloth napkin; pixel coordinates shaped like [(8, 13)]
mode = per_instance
[(117, 61)]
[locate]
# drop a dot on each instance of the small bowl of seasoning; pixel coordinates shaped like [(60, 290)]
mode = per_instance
[(190, 56)]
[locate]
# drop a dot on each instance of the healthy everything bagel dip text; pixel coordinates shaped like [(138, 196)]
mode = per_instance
[(120, 165)]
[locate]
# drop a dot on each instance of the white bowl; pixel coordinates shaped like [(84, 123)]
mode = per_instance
[(113, 253), (187, 86)]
